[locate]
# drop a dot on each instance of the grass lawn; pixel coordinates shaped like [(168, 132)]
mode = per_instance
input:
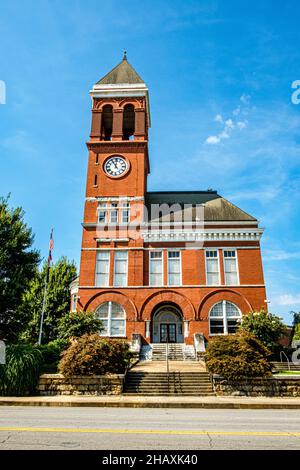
[(288, 372)]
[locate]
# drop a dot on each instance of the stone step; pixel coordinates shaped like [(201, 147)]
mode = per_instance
[(285, 366), (180, 383)]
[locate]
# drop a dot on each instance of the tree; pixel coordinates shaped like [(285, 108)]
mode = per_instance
[(57, 301), (77, 324), (267, 328), (295, 335), (18, 266)]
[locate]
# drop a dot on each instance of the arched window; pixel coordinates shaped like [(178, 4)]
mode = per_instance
[(128, 122), (107, 121), (224, 318), (113, 318)]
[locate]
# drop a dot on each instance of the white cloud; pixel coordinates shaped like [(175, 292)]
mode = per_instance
[(289, 299), (229, 124), (245, 99), (281, 255), (241, 124), (213, 140), (236, 111), (224, 135), (218, 118)]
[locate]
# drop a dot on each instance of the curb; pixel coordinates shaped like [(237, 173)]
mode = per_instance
[(134, 404)]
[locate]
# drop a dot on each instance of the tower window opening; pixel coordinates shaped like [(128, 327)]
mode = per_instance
[(95, 180), (128, 122), (107, 121)]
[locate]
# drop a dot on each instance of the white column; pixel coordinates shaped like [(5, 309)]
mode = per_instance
[(147, 328), (186, 328), (224, 318)]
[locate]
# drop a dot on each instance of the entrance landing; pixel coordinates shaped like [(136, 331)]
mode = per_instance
[(174, 366)]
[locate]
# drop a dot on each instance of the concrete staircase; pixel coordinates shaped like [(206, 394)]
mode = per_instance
[(279, 366), (176, 352), (156, 383)]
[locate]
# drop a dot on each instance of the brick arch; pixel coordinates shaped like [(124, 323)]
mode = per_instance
[(135, 103), (169, 296), (118, 297), (224, 294), (100, 105)]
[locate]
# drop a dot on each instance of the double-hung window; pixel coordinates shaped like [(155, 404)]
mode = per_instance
[(174, 268), (101, 213), (120, 268), (156, 268), (125, 213), (212, 268), (102, 269), (114, 213), (230, 267)]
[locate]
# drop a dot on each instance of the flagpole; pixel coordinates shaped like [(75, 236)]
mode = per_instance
[(45, 288), (43, 308)]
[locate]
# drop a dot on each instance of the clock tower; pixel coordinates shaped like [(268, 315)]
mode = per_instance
[(118, 166)]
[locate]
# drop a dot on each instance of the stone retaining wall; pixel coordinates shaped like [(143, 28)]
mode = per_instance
[(57, 384), (258, 387)]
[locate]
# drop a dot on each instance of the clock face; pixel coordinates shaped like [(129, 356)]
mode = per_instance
[(115, 166)]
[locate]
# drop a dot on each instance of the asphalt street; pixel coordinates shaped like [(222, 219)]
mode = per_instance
[(149, 429)]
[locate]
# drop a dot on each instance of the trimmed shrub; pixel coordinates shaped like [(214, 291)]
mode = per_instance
[(92, 355), (20, 374), (237, 356)]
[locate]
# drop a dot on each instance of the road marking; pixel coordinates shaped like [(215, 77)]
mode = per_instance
[(152, 431)]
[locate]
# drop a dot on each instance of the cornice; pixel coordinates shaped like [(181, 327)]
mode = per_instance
[(111, 146)]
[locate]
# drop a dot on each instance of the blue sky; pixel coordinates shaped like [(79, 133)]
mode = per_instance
[(220, 75)]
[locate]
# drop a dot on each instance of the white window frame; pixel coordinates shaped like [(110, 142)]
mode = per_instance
[(109, 335), (102, 208), (223, 318), (219, 267), (74, 302), (96, 273), (162, 267), (125, 207), (126, 273), (180, 268), (236, 263), (114, 208)]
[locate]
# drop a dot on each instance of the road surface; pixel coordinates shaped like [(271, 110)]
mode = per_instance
[(147, 428)]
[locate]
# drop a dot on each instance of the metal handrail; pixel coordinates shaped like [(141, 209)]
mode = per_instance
[(167, 359), (282, 353)]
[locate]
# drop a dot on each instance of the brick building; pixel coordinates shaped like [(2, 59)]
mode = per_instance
[(181, 266)]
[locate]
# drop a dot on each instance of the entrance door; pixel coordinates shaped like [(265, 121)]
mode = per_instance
[(168, 332)]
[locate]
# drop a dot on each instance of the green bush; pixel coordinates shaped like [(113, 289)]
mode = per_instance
[(51, 353), (266, 327), (237, 356), (78, 324), (92, 355), (20, 374)]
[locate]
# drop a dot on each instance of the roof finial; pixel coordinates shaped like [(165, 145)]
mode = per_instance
[(125, 55)]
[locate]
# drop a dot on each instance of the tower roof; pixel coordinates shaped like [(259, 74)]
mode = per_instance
[(122, 73)]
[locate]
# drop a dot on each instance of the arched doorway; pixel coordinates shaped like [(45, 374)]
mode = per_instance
[(167, 324)]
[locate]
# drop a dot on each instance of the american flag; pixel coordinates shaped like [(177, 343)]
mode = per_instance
[(51, 244)]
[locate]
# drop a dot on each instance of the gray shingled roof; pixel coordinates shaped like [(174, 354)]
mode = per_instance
[(122, 73), (216, 208)]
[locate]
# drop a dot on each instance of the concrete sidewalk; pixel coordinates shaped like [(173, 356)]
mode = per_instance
[(155, 402)]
